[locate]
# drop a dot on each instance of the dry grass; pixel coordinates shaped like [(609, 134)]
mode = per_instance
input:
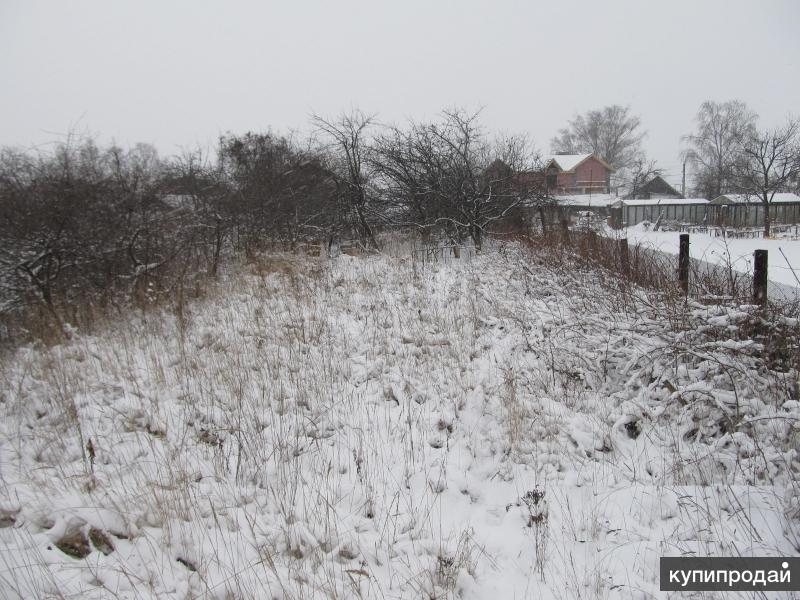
[(363, 428)]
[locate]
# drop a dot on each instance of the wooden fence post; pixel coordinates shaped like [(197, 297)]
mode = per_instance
[(624, 260), (760, 277), (683, 263), (565, 229)]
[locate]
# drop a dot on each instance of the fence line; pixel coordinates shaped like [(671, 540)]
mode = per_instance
[(654, 268), (745, 233), (443, 253)]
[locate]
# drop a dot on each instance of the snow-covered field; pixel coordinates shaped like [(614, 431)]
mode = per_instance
[(729, 252), (371, 427)]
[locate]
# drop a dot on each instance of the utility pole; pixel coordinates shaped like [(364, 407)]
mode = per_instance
[(683, 180)]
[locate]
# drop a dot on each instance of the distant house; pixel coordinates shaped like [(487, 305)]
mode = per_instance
[(570, 174), (653, 189), (498, 171), (178, 201)]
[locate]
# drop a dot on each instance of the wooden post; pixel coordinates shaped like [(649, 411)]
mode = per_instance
[(565, 229), (760, 277), (683, 263), (624, 261), (591, 241)]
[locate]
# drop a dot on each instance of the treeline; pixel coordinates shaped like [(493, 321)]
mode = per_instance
[(81, 223)]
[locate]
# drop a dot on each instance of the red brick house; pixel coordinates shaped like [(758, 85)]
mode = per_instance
[(578, 174)]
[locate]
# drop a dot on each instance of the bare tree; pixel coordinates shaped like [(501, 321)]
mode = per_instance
[(348, 147), (713, 149), (79, 222), (251, 166), (194, 182), (447, 176), (768, 163), (612, 132), (277, 190), (640, 172)]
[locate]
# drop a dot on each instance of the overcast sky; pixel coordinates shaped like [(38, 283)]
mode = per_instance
[(177, 73)]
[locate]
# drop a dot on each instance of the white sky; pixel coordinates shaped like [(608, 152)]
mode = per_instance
[(177, 73)]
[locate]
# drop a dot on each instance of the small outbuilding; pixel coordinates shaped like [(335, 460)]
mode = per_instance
[(747, 210), (626, 213)]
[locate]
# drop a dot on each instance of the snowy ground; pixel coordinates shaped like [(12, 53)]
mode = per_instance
[(370, 427), (729, 252)]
